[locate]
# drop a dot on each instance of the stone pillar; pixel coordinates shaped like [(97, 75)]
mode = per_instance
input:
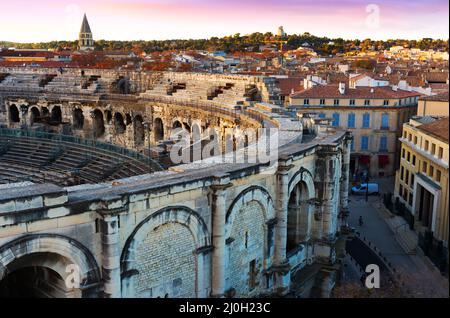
[(327, 186), (281, 265), (110, 256), (219, 212), (345, 179)]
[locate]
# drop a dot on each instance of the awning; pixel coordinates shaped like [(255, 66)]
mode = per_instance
[(383, 160), (365, 160)]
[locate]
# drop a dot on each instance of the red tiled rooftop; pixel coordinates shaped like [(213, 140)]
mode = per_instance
[(438, 128)]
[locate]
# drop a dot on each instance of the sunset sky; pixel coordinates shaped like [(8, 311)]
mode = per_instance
[(46, 20)]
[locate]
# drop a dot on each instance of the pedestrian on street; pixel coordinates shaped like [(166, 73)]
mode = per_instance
[(360, 221)]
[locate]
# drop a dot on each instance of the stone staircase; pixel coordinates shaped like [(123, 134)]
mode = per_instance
[(405, 237)]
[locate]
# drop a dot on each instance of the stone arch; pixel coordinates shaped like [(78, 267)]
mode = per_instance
[(108, 116), (14, 115), (177, 124), (35, 115), (78, 119), (98, 123), (300, 209), (119, 124), (45, 112), (139, 131), (249, 241), (54, 252), (159, 129), (56, 115), (150, 231), (128, 119)]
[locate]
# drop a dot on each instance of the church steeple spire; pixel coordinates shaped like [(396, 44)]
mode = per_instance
[(86, 40)]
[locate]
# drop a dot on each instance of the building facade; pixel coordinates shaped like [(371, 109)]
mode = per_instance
[(422, 183), (374, 115)]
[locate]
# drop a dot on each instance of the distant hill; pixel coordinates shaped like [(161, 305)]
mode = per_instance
[(251, 42)]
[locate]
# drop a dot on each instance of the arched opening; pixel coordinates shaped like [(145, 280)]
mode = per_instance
[(119, 124), (159, 129), (177, 125), (33, 282), (298, 226), (78, 119), (45, 112), (128, 119), (108, 115), (34, 115), (98, 124), (56, 115), (139, 133), (38, 275), (14, 115)]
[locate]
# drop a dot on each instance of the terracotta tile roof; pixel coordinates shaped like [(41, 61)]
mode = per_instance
[(288, 84), (332, 91), (436, 77), (438, 129), (442, 97)]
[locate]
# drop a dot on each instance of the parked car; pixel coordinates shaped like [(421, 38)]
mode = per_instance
[(362, 189)]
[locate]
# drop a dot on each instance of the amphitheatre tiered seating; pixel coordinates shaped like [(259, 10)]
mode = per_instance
[(227, 94), (28, 81), (62, 163)]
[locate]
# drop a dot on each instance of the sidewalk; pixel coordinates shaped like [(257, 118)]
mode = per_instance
[(377, 229)]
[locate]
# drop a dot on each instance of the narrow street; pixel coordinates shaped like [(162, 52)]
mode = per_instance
[(421, 276)]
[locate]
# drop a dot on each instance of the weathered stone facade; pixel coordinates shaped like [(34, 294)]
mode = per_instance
[(202, 230)]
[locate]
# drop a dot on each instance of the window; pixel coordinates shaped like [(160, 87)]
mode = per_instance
[(405, 134), (402, 173), (441, 153), (403, 153), (407, 177), (336, 102), (306, 102), (352, 145), (400, 102), (410, 199), (351, 120), (385, 121), (366, 120), (414, 160), (415, 140), (364, 143), (433, 149), (322, 102), (424, 167), (383, 143), (409, 137), (400, 190), (408, 158), (336, 120), (412, 180), (367, 102), (386, 102), (438, 175), (431, 172), (427, 145), (352, 102)]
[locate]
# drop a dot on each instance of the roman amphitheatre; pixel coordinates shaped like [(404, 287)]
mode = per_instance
[(86, 179)]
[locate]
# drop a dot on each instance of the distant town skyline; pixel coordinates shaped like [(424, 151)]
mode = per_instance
[(50, 20)]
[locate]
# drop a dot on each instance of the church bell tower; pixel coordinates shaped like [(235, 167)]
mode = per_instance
[(85, 40)]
